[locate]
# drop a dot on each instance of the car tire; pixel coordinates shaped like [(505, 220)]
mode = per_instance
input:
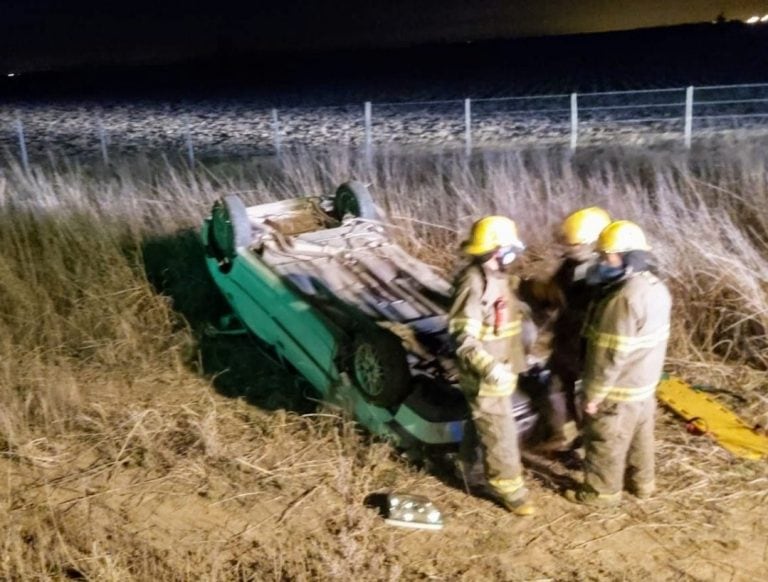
[(354, 198), (379, 368), (230, 228)]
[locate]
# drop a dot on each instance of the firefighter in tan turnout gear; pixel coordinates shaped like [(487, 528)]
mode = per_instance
[(626, 341), (486, 323), (568, 292)]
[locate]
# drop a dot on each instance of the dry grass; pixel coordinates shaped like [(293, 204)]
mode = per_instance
[(133, 447)]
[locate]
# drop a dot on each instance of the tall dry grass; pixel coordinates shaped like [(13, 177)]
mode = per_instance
[(106, 381)]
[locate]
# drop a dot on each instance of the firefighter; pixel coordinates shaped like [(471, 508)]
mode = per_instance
[(485, 321), (626, 341), (568, 292)]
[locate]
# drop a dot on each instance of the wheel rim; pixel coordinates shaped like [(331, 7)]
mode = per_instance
[(368, 372)]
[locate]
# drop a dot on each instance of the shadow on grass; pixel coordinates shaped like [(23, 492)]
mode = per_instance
[(238, 366), (241, 366)]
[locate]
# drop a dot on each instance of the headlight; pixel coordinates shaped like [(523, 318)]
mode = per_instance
[(412, 511)]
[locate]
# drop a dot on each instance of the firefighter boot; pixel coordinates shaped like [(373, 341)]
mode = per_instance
[(523, 507), (586, 496)]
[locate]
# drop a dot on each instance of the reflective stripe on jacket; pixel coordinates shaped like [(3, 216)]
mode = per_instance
[(484, 332), (626, 334)]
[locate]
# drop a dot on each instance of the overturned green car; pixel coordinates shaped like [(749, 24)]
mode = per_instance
[(321, 281)]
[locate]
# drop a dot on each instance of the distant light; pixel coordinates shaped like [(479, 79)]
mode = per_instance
[(11, 75), (764, 18), (753, 19)]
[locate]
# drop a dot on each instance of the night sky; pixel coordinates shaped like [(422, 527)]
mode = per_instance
[(49, 33)]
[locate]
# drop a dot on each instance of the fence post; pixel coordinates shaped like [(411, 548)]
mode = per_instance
[(103, 142), (22, 144), (368, 133), (574, 120), (468, 126), (190, 146), (276, 132), (688, 116)]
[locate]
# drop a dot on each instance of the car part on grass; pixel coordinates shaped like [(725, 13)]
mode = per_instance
[(703, 415), (412, 511), (324, 284)]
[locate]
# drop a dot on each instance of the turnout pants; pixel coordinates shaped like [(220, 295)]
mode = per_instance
[(493, 430), (619, 444), (562, 410)]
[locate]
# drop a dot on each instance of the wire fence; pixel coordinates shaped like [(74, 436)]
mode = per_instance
[(233, 128)]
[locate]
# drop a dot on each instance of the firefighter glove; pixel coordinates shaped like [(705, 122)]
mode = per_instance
[(501, 374)]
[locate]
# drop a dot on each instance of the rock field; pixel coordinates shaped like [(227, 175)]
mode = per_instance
[(229, 127)]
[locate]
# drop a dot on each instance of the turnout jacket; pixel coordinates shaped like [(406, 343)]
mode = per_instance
[(626, 339), (568, 292), (485, 322)]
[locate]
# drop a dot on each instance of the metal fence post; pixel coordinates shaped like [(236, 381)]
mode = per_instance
[(688, 116), (574, 120), (276, 132), (368, 132), (190, 146), (22, 144), (468, 126), (103, 141)]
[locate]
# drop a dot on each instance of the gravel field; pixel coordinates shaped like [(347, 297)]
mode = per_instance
[(231, 127)]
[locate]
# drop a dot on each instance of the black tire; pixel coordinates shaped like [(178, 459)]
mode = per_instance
[(379, 368), (230, 228), (355, 199)]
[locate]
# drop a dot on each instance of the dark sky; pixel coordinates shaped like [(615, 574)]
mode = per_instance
[(41, 33)]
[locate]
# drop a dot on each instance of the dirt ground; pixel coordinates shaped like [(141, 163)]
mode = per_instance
[(191, 483)]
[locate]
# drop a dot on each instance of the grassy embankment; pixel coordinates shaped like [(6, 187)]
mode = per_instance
[(112, 403)]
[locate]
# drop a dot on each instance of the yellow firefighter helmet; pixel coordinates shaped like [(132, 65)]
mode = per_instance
[(491, 233), (621, 236), (584, 226)]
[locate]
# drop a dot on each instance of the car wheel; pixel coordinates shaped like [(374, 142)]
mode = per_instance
[(354, 198), (380, 369), (230, 228)]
